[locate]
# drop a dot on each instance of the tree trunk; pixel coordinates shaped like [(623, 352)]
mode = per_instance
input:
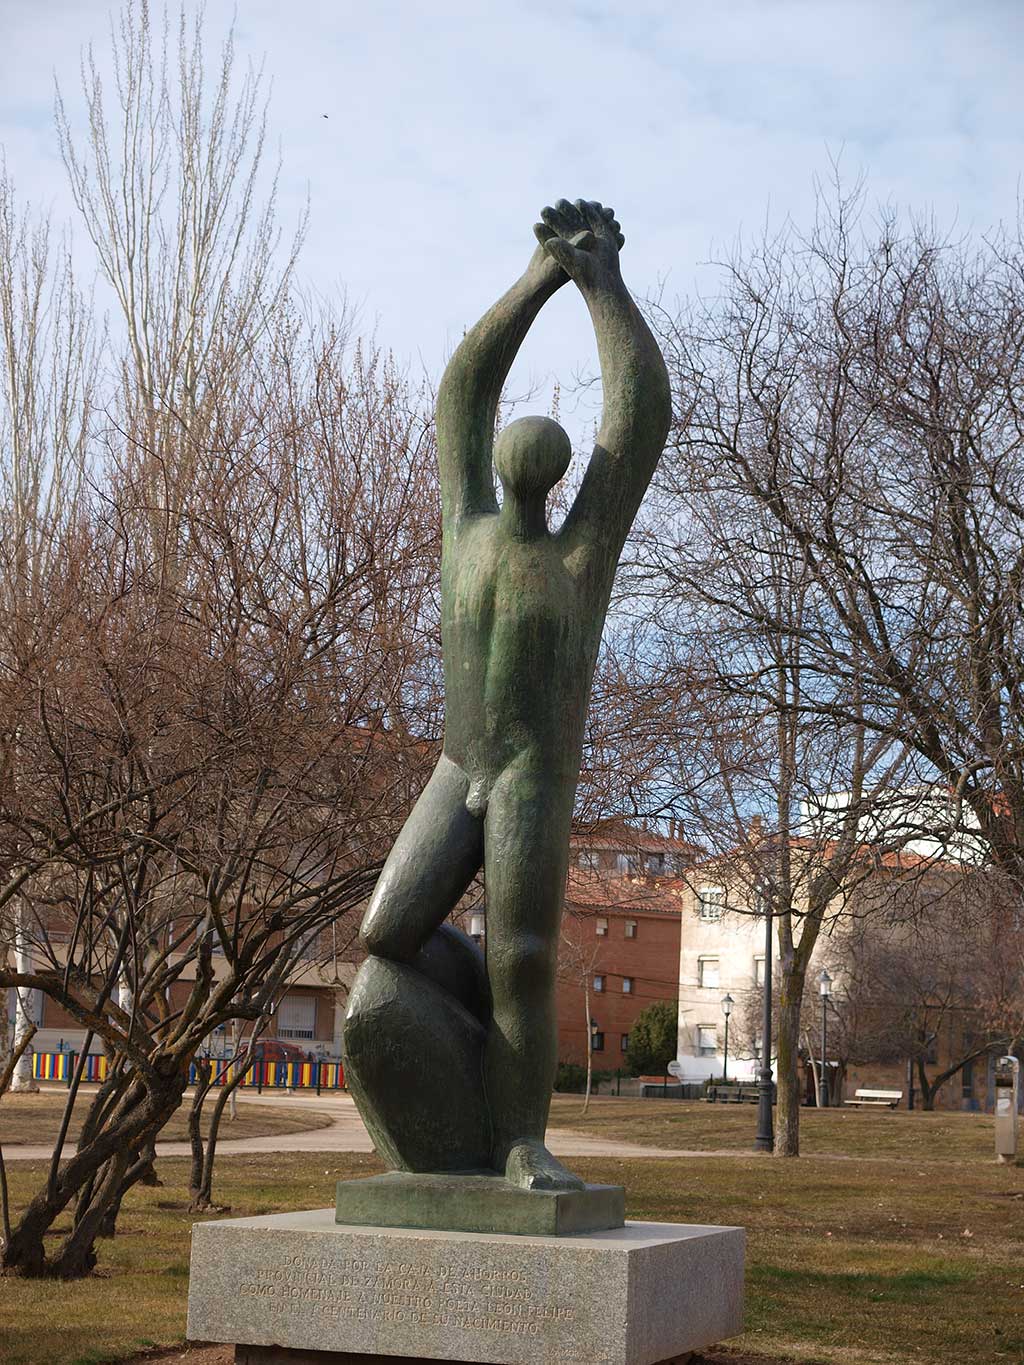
[(204, 1074), (590, 1043), (138, 1173), (24, 1021), (815, 1073), (149, 1176), (97, 1176), (236, 1037), (203, 1199), (787, 1125), (5, 1022), (928, 1092)]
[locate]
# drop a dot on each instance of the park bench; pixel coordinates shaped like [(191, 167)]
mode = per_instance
[(733, 1094), (875, 1099)]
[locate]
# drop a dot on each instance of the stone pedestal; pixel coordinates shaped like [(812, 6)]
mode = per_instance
[(636, 1295)]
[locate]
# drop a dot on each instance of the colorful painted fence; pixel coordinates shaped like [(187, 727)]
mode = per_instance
[(318, 1076), (60, 1066)]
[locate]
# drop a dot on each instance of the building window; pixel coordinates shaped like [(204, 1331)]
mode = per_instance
[(601, 927), (589, 859), (707, 1040), (631, 928), (627, 985), (624, 1042), (477, 927), (628, 864), (759, 970), (710, 902), (757, 1047), (296, 1017), (599, 983), (707, 972), (597, 1041), (656, 864)]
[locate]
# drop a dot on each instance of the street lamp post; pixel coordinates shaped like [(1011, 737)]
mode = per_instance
[(765, 1139), (727, 1004), (825, 986)]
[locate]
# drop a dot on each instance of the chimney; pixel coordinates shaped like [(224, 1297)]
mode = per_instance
[(754, 834)]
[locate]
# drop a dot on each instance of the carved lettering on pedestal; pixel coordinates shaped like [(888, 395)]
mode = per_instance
[(469, 1298)]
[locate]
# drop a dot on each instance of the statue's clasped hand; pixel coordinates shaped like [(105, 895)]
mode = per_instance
[(584, 239)]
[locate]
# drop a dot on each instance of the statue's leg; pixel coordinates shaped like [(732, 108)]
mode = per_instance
[(526, 853), (417, 1014), (413, 1062), (433, 861)]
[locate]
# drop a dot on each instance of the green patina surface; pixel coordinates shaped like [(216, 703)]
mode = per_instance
[(448, 1075), (477, 1203)]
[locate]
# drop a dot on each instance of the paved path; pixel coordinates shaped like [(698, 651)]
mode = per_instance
[(347, 1134)]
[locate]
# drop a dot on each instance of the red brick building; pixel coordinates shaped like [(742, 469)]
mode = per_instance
[(620, 937), (620, 946)]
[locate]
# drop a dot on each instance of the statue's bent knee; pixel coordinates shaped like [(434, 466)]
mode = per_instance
[(385, 931)]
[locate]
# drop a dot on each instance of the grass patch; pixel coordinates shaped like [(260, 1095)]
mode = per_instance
[(855, 1262), (692, 1125), (36, 1119), (909, 1286)]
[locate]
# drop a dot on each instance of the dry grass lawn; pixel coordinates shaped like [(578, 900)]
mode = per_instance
[(860, 1261), (692, 1125), (36, 1119)]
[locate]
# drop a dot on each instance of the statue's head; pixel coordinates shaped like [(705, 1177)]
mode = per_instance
[(531, 455)]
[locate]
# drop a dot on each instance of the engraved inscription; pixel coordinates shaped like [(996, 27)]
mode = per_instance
[(471, 1298)]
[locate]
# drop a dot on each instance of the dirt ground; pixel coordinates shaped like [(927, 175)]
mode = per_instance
[(224, 1355)]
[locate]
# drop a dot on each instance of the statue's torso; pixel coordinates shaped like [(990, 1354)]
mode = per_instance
[(520, 640)]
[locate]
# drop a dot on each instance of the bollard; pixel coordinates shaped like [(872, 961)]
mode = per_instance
[(1007, 1099)]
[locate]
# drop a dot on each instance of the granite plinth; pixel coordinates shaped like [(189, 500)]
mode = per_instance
[(636, 1295), (476, 1203), (283, 1355)]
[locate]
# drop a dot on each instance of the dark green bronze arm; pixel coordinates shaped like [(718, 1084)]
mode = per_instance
[(585, 240), (467, 401)]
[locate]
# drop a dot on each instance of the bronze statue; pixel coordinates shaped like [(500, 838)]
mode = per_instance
[(452, 1058)]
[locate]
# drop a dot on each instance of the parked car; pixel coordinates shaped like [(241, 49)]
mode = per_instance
[(276, 1050)]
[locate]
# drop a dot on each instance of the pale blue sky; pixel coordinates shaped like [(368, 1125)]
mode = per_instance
[(451, 123)]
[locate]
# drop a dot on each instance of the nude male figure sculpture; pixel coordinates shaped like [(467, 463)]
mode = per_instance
[(452, 1058)]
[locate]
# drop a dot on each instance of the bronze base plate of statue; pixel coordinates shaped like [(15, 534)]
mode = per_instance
[(477, 1203)]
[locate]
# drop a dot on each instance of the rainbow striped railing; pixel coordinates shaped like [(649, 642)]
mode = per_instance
[(60, 1066), (318, 1076)]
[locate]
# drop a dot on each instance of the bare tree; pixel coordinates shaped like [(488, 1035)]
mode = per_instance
[(170, 184), (579, 956), (220, 754), (855, 387), (745, 762), (48, 351), (935, 979), (845, 538)]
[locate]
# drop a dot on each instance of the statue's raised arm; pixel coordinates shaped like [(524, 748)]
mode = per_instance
[(585, 239), (467, 401)]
